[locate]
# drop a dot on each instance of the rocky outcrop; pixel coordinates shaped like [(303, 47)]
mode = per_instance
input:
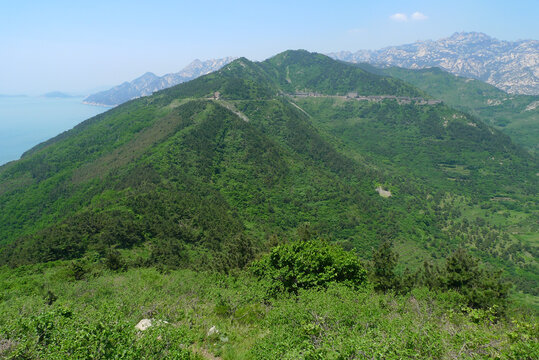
[(512, 66)]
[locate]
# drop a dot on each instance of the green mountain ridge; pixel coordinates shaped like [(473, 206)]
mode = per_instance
[(221, 164)]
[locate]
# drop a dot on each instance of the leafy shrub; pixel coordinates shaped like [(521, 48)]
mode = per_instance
[(169, 253), (114, 261), (308, 264), (76, 270), (523, 338), (50, 297)]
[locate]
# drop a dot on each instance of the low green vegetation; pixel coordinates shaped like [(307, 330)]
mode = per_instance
[(321, 306)]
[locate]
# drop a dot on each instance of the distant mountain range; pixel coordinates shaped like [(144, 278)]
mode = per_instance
[(148, 83), (512, 66), (11, 96), (57, 94)]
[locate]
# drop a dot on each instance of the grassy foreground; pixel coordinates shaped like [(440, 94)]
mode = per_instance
[(47, 314)]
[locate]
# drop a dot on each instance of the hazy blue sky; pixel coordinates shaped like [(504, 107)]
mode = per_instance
[(77, 46)]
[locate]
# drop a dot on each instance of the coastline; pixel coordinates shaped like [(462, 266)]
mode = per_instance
[(30, 120), (97, 104)]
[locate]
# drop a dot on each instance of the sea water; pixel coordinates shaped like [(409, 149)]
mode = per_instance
[(28, 121)]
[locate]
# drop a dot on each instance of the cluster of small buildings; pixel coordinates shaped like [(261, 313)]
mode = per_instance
[(402, 100), (307, 94)]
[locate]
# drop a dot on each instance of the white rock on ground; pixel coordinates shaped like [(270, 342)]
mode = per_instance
[(382, 192), (213, 330), (144, 324)]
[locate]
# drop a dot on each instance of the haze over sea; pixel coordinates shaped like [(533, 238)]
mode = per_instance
[(28, 121)]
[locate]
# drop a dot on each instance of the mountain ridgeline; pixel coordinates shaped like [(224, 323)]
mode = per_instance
[(211, 172)]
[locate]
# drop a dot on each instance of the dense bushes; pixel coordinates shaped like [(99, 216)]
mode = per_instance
[(96, 318), (58, 333), (481, 287), (308, 264), (195, 176)]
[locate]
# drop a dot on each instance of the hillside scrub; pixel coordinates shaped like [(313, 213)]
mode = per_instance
[(96, 316)]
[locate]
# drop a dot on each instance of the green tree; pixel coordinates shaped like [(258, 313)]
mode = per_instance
[(482, 287), (384, 263), (461, 269), (430, 275)]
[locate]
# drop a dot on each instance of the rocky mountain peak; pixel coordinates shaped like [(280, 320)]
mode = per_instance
[(470, 36), (149, 83), (512, 66), (147, 76)]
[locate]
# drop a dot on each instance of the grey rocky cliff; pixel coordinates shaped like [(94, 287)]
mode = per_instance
[(512, 66)]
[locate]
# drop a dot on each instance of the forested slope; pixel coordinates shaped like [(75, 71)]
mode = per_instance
[(514, 115), (224, 163)]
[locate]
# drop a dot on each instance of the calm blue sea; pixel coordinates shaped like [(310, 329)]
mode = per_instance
[(28, 121)]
